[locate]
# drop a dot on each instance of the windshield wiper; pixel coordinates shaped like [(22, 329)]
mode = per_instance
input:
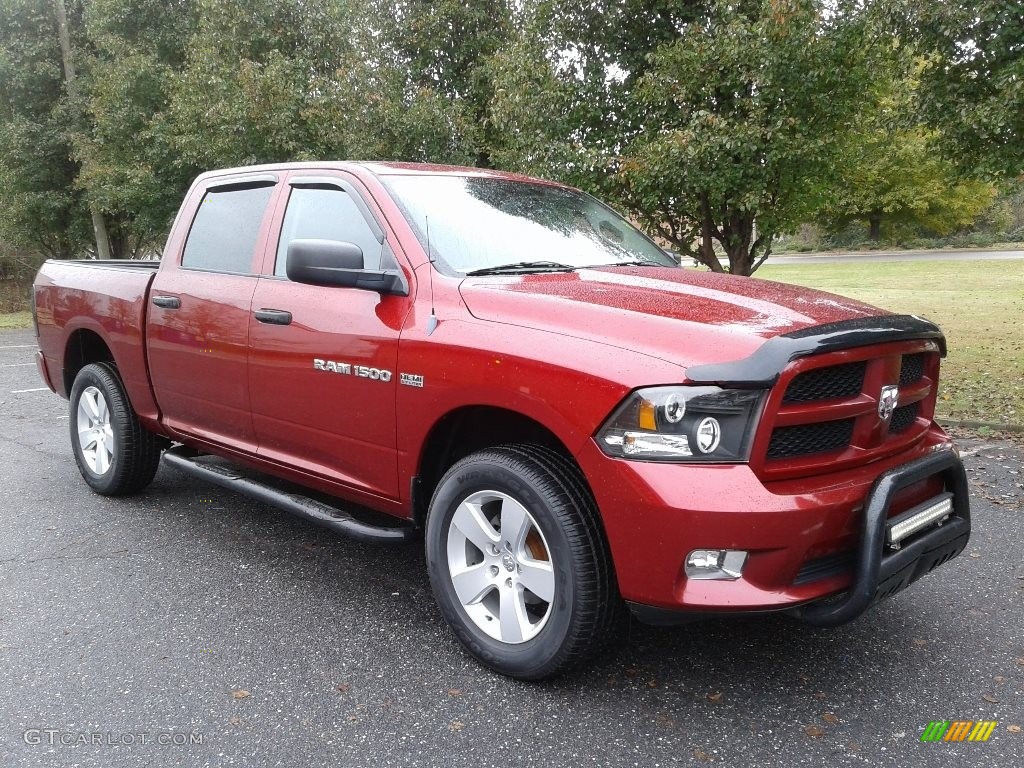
[(630, 264), (522, 266)]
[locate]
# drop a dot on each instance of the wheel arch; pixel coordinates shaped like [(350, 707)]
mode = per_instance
[(468, 429), (84, 347)]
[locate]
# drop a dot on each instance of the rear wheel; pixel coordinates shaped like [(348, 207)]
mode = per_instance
[(518, 563), (115, 454)]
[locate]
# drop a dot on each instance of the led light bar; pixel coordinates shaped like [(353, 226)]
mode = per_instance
[(919, 518)]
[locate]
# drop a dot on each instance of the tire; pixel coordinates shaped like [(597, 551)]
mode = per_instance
[(483, 577), (116, 455)]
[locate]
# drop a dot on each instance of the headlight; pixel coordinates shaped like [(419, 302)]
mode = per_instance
[(683, 424)]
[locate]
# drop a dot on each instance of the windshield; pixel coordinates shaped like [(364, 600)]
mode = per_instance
[(480, 223)]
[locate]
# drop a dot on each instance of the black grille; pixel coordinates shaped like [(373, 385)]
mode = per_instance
[(903, 417), (911, 368), (825, 383), (810, 438)]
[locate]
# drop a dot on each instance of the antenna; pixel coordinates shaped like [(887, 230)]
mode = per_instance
[(432, 321)]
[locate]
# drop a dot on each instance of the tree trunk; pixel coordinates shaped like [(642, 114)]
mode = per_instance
[(707, 244), (738, 245), (875, 226), (99, 229), (99, 225), (707, 248)]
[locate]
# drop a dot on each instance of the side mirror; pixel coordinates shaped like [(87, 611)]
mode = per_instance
[(338, 263)]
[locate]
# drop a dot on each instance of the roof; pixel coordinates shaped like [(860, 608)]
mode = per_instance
[(379, 169)]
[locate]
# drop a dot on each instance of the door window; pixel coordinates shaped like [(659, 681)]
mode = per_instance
[(326, 213), (225, 229)]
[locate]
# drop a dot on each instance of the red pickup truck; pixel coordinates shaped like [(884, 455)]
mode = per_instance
[(509, 369)]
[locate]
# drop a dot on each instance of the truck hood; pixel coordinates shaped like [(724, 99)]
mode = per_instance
[(683, 316)]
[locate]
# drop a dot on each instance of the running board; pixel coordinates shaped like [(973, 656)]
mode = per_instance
[(329, 517)]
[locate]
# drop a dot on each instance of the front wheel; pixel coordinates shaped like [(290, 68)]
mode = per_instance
[(114, 452), (518, 562)]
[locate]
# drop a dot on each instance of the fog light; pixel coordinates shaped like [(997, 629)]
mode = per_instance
[(725, 564)]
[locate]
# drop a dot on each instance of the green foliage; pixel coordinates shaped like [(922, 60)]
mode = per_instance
[(548, 126), (744, 116), (250, 80), (714, 124), (972, 90), (890, 175), (436, 52), (699, 118), (895, 179), (40, 207), (129, 167), (275, 81)]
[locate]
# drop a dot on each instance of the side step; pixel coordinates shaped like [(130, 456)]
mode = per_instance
[(184, 460)]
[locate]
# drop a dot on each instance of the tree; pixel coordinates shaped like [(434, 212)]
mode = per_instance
[(129, 167), (40, 207), (889, 172), (972, 89), (253, 76), (712, 116), (99, 224), (897, 179), (437, 52)]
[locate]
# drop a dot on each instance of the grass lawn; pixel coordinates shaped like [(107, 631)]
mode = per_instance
[(16, 320), (980, 306)]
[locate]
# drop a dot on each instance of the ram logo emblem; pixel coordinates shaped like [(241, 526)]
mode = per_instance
[(887, 401)]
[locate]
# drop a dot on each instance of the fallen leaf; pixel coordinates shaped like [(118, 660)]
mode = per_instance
[(819, 695), (456, 725), (715, 698), (919, 642), (664, 720), (1021, 661), (990, 698), (631, 671), (975, 554), (999, 680), (703, 756), (830, 718), (804, 679), (652, 683), (344, 687), (454, 691), (1013, 728), (814, 731), (235, 721), (240, 694)]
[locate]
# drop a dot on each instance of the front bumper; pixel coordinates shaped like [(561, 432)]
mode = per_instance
[(881, 573), (655, 514)]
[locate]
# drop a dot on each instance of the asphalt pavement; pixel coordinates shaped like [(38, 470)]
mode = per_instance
[(187, 614)]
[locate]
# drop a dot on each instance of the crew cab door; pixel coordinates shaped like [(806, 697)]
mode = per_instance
[(322, 359), (197, 326)]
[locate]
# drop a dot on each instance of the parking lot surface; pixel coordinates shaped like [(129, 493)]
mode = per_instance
[(192, 614)]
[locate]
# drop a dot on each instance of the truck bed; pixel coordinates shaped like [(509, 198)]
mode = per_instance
[(86, 302)]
